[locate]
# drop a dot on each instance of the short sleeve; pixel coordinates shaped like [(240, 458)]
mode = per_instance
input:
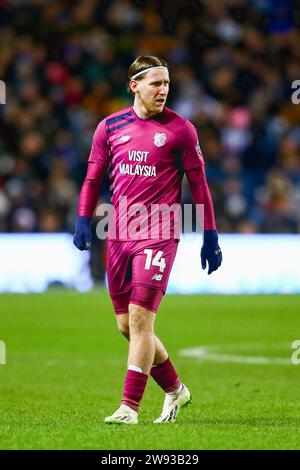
[(191, 156), (100, 148)]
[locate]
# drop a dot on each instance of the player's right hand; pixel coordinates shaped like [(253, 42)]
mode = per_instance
[(82, 237)]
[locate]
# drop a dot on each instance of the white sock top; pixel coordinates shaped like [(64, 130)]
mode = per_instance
[(135, 368)]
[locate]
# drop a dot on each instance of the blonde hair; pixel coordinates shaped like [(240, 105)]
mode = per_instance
[(144, 62)]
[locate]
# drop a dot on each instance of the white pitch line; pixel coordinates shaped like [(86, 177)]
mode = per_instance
[(215, 353)]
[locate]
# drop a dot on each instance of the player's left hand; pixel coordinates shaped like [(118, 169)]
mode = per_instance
[(210, 251)]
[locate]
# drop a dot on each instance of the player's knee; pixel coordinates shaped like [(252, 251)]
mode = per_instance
[(123, 326), (124, 330), (139, 320)]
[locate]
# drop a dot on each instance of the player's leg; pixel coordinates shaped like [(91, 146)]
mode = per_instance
[(144, 350), (141, 349), (151, 269), (160, 355), (142, 338), (140, 360), (119, 283), (164, 373), (138, 325)]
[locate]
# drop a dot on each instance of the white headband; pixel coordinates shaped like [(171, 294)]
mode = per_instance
[(147, 70)]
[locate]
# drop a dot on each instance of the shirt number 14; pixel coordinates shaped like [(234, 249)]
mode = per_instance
[(158, 260)]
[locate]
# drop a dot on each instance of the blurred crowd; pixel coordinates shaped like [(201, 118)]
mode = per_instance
[(232, 64)]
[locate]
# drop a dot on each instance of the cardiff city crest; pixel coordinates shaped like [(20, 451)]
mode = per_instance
[(160, 139)]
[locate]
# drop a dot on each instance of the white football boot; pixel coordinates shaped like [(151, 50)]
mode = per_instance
[(123, 415), (173, 403)]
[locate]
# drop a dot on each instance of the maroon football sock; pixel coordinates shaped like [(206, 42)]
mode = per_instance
[(166, 376), (135, 384)]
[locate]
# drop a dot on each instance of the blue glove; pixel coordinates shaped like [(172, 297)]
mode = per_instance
[(211, 251), (82, 237)]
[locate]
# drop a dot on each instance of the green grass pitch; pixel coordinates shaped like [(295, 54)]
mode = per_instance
[(66, 363)]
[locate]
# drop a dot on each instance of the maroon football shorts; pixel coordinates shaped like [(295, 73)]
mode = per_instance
[(138, 272)]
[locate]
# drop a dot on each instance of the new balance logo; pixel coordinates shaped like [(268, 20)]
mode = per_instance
[(124, 138), (157, 277), (198, 150)]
